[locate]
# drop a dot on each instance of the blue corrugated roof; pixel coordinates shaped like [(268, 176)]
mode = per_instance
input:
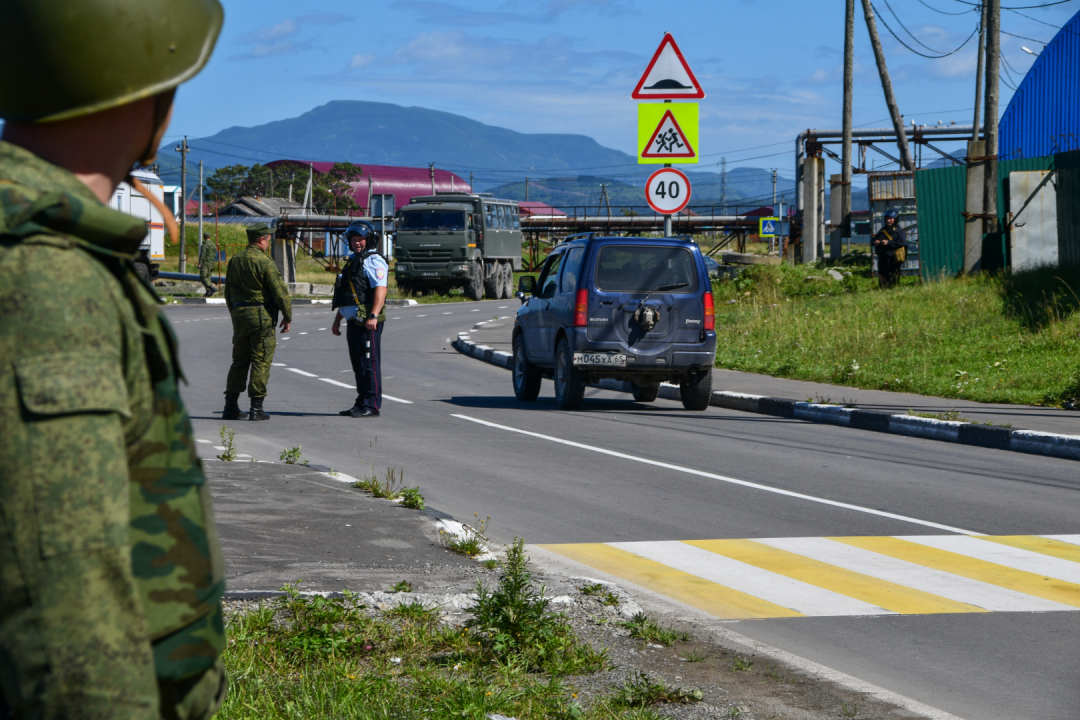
[(1043, 117)]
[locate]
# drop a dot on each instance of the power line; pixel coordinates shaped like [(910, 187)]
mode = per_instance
[(901, 23), (1022, 37), (1028, 17), (1019, 7), (920, 54)]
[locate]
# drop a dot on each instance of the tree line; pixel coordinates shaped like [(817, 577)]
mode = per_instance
[(332, 192)]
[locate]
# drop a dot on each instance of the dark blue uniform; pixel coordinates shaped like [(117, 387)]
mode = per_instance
[(361, 275)]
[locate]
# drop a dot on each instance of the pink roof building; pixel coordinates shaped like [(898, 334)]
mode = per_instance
[(404, 183), (529, 208)]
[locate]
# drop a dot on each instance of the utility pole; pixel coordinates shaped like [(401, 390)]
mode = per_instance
[(886, 85), (990, 124), (431, 170), (183, 150), (723, 185), (774, 189), (526, 188), (976, 169), (471, 188), (200, 207), (845, 156)]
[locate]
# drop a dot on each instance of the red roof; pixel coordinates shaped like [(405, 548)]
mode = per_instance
[(764, 211), (529, 208), (404, 183)]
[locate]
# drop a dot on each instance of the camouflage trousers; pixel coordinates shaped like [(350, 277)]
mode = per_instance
[(253, 348), (205, 272)]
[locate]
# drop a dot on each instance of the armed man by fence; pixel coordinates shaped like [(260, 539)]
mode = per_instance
[(111, 577), (890, 245), (255, 295), (208, 253)]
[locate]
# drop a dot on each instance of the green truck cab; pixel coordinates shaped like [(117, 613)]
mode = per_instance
[(466, 240)]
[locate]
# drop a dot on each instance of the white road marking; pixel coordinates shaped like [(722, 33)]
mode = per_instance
[(339, 384), (322, 329), (502, 307), (421, 316), (723, 478), (764, 584), (396, 318), (476, 310), (284, 338), (278, 364), (219, 447), (936, 582), (303, 333), (397, 400), (448, 313), (1071, 539), (203, 441), (240, 455), (998, 554), (301, 372)]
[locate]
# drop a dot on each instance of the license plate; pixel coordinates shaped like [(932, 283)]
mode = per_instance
[(583, 358), (430, 274)]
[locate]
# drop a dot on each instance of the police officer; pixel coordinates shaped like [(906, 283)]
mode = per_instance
[(889, 240), (360, 298), (254, 294), (110, 571), (207, 258)]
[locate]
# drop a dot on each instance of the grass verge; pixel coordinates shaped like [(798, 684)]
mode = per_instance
[(315, 657), (1012, 338)]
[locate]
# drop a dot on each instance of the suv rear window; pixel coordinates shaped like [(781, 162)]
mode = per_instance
[(433, 220), (641, 268)]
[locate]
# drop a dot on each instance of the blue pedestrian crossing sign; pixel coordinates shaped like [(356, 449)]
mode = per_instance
[(767, 226)]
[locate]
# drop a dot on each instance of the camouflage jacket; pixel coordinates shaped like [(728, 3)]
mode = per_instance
[(110, 567), (207, 253), (252, 277)]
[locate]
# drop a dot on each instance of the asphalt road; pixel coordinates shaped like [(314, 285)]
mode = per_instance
[(620, 472)]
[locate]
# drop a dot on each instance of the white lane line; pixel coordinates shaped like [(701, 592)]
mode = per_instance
[(936, 582), (303, 333), (764, 584), (279, 364), (724, 478), (284, 338), (321, 329), (301, 372), (353, 387), (207, 442), (421, 316), (240, 455), (476, 310), (396, 318), (448, 313), (998, 554), (502, 307)]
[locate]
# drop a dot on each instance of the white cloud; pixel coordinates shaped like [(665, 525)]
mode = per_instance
[(360, 61), (274, 40)]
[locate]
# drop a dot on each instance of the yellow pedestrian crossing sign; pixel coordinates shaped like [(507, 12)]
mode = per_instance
[(767, 226), (667, 133)]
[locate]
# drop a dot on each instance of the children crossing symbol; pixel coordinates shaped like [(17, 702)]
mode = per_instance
[(668, 141)]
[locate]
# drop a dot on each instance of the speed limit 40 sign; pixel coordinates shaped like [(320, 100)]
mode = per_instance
[(668, 191)]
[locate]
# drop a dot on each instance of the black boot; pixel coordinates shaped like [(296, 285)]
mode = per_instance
[(232, 409), (357, 407), (257, 410)]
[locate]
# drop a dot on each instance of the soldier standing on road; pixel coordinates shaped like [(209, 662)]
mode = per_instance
[(890, 244), (362, 284), (207, 258), (110, 571), (255, 294)]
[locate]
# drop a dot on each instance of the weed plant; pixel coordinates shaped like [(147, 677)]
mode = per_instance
[(291, 456), (412, 499), (640, 691), (228, 441), (1012, 338), (644, 627), (303, 656), (472, 542), (388, 489)]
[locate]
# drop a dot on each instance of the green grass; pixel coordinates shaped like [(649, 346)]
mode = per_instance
[(1012, 338), (313, 657), (644, 627)]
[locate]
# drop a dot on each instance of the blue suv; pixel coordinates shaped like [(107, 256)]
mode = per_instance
[(633, 309)]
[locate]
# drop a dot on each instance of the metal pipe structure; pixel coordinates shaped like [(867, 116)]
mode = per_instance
[(925, 132), (634, 222)]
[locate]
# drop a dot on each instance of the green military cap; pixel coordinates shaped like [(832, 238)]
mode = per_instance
[(257, 231), (76, 57)]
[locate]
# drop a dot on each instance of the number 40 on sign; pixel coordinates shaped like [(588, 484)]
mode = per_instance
[(668, 191)]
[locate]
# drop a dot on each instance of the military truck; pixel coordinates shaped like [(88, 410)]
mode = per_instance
[(466, 240)]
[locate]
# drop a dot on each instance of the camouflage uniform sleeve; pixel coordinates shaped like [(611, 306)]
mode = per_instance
[(228, 288), (277, 290), (73, 391)]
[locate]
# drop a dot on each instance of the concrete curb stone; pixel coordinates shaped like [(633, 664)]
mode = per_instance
[(963, 433)]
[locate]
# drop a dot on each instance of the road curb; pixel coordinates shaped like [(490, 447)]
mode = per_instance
[(408, 302), (962, 433)]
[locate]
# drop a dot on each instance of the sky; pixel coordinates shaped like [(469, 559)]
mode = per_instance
[(770, 68)]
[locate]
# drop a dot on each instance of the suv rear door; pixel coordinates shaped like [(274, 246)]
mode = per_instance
[(662, 277), (539, 330)]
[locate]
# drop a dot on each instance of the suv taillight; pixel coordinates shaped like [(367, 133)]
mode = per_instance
[(581, 309), (710, 312)]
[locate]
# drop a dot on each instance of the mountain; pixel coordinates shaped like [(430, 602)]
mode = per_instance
[(387, 134)]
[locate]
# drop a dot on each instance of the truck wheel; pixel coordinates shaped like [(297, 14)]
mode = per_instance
[(508, 280), (644, 393), (526, 376), (569, 380), (696, 390), (475, 289), (492, 277)]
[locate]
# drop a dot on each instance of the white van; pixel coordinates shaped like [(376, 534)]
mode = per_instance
[(128, 200)]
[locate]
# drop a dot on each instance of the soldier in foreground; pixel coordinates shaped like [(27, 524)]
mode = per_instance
[(110, 571), (207, 258), (255, 294)]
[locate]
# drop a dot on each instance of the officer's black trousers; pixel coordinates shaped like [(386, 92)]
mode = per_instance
[(366, 363)]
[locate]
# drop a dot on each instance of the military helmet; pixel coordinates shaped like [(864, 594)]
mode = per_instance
[(359, 227), (892, 213), (68, 58)]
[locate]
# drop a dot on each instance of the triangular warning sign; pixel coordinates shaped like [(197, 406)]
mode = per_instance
[(668, 141), (668, 77)]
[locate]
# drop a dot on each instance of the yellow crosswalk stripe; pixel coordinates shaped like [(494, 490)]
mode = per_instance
[(702, 594), (1046, 546), (882, 593), (1025, 582)]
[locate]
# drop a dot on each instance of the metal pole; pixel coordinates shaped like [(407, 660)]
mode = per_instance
[(200, 207), (183, 150), (431, 169), (667, 218), (845, 157), (990, 123)]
